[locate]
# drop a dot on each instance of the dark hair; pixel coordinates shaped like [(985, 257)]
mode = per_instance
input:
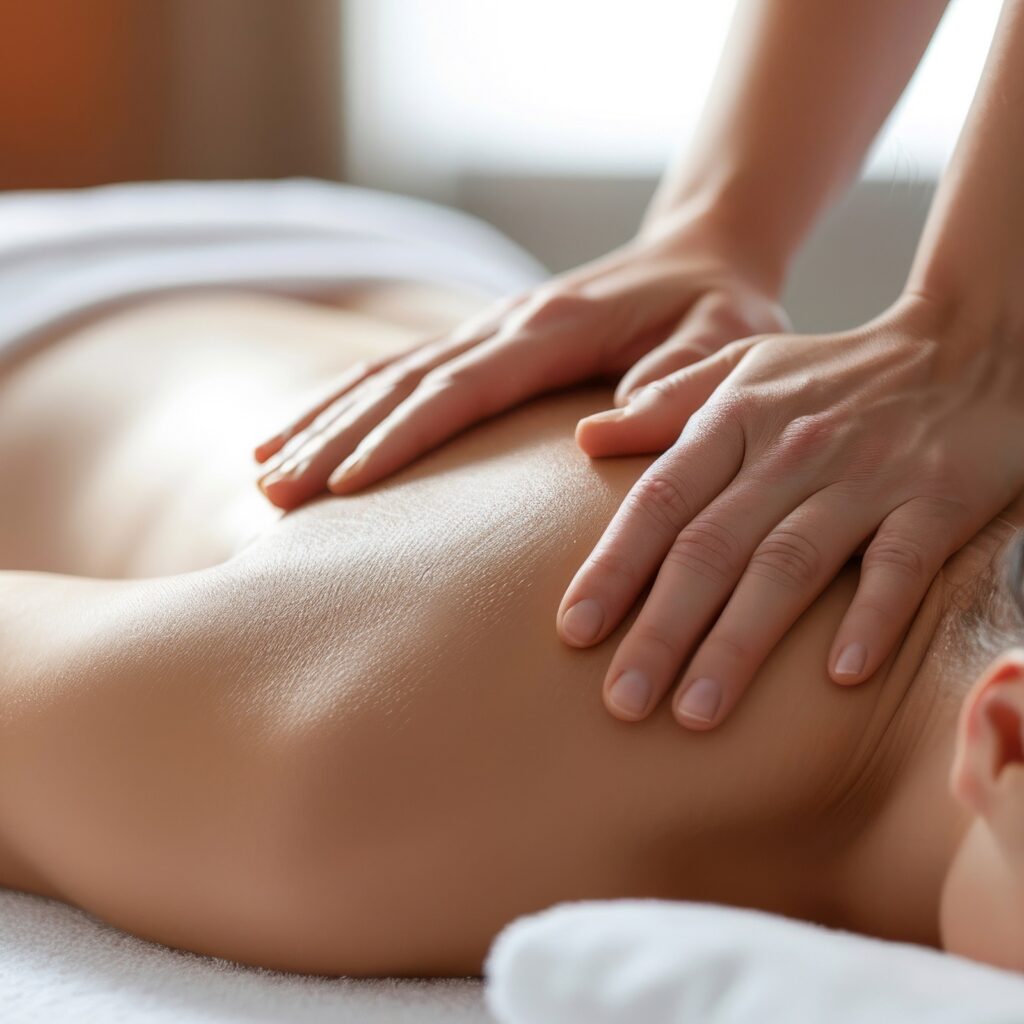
[(1014, 574), (984, 618)]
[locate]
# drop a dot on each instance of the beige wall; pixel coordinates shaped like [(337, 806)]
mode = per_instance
[(107, 90), (853, 265)]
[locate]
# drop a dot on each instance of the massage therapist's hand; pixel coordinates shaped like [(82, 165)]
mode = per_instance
[(652, 307), (792, 452)]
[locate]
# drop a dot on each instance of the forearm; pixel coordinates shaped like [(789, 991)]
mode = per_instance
[(802, 88), (971, 256)]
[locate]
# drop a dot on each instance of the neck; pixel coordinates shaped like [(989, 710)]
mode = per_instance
[(889, 881)]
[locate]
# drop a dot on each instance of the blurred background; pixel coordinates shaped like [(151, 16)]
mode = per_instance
[(550, 118)]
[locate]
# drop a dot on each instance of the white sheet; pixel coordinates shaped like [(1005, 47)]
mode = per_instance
[(59, 966), (66, 253), (658, 962)]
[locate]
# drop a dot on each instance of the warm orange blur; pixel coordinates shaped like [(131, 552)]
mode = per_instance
[(106, 90)]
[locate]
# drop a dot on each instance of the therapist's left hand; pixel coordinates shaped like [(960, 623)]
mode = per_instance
[(786, 454)]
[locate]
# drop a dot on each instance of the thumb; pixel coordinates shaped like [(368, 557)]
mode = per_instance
[(655, 415)]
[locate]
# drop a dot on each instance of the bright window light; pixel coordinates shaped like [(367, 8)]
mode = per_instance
[(438, 89)]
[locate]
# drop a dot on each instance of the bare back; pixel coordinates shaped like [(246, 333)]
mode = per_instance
[(354, 743)]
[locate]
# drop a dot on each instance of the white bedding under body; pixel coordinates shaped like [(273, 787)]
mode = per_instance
[(620, 962)]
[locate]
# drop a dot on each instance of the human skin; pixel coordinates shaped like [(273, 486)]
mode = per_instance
[(791, 113), (347, 740), (902, 407), (982, 905)]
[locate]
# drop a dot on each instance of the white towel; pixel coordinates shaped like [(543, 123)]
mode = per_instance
[(658, 962), (65, 253), (60, 966)]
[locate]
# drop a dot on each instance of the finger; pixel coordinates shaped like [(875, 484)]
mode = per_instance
[(656, 415), (305, 472), (496, 375), (899, 565), (789, 568), (285, 473), (662, 502), (398, 377), (424, 355), (348, 380), (695, 580), (710, 324)]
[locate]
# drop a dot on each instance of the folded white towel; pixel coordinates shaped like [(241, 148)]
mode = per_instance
[(658, 962)]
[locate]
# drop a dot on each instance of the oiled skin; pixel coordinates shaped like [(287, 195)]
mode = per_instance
[(349, 741)]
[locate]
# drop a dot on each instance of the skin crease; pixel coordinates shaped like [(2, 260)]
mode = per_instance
[(348, 740)]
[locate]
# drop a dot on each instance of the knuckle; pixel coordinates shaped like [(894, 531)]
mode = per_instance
[(730, 407), (939, 508), (935, 463), (463, 384), (611, 564), (897, 555), (806, 438), (728, 648), (657, 641), (708, 549), (663, 499), (734, 351), (667, 387), (555, 307), (788, 558)]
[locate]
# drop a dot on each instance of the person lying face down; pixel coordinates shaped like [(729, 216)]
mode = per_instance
[(355, 745)]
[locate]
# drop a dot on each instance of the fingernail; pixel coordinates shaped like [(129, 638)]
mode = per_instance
[(348, 468), (583, 621), (852, 659), (269, 479), (630, 693), (700, 700)]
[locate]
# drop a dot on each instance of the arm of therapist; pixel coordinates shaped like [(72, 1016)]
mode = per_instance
[(792, 112), (793, 109), (907, 433)]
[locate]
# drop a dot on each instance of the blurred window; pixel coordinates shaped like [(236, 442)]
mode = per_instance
[(434, 88)]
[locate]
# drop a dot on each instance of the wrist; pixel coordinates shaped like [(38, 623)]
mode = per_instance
[(972, 301), (717, 222), (967, 339)]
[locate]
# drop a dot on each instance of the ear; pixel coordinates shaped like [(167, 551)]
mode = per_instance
[(990, 737)]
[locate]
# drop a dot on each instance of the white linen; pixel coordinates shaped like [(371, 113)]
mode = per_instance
[(59, 966), (660, 962), (66, 253)]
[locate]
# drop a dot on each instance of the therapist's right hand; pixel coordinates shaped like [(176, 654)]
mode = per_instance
[(666, 299)]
